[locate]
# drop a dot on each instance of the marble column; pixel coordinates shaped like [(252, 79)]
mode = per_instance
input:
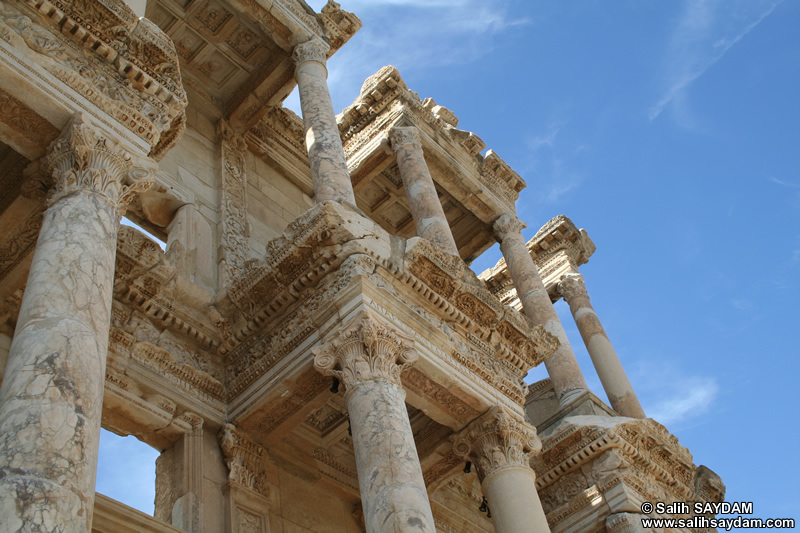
[(566, 375), (368, 357), (52, 394), (615, 382), (500, 446), (325, 152), (426, 209)]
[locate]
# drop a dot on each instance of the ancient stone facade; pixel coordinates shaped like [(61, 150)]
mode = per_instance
[(309, 351)]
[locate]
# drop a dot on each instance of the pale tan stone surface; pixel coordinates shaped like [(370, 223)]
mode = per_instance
[(500, 447), (426, 209), (51, 396), (606, 362), (562, 366), (328, 164)]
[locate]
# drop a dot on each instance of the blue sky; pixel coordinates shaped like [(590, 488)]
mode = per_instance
[(669, 130)]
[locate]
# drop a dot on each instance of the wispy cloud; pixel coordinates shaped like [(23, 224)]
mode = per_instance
[(705, 32), (551, 162), (690, 397), (412, 35)]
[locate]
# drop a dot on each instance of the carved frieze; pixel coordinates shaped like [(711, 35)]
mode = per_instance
[(235, 238)]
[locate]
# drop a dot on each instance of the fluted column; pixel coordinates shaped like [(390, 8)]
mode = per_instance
[(426, 209), (368, 357), (566, 375), (500, 446), (606, 362), (328, 164), (52, 394)]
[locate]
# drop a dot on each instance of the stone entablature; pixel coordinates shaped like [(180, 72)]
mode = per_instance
[(592, 467), (125, 66), (558, 248), (273, 306), (481, 188)]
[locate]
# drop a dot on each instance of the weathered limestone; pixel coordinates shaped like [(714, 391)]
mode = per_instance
[(52, 392), (328, 164), (426, 209), (562, 366), (500, 446), (235, 237), (368, 357), (615, 382)]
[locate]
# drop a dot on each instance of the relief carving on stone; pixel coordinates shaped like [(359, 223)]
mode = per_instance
[(572, 286), (244, 459), (365, 349), (82, 159), (497, 440), (235, 228)]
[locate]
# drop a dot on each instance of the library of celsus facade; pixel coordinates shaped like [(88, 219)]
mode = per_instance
[(310, 352)]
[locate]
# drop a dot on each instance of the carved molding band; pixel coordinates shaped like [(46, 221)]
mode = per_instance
[(366, 349), (497, 440), (235, 230), (80, 159)]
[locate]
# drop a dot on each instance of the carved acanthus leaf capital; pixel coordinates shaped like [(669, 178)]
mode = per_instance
[(82, 159), (496, 440), (312, 50), (508, 225), (244, 458), (572, 286), (400, 136), (366, 349), (624, 523)]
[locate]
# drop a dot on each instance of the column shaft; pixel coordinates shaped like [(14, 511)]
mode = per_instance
[(52, 394), (325, 152), (393, 492), (426, 209), (508, 492), (566, 375), (368, 357), (609, 369)]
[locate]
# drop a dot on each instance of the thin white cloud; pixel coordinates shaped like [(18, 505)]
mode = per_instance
[(784, 183), (412, 35), (706, 31), (691, 397)]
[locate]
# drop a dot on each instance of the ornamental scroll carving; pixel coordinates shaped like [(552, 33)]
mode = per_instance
[(235, 230), (82, 159), (400, 136), (313, 50), (507, 226), (244, 459), (365, 349), (497, 440), (572, 286)]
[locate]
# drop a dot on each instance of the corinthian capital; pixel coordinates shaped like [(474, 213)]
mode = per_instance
[(365, 349), (497, 440), (508, 225), (81, 159), (312, 50), (572, 286), (399, 136)]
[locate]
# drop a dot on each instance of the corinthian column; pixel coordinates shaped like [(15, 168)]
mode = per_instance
[(426, 209), (615, 382), (562, 366), (328, 164), (368, 357), (500, 446), (52, 393)]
